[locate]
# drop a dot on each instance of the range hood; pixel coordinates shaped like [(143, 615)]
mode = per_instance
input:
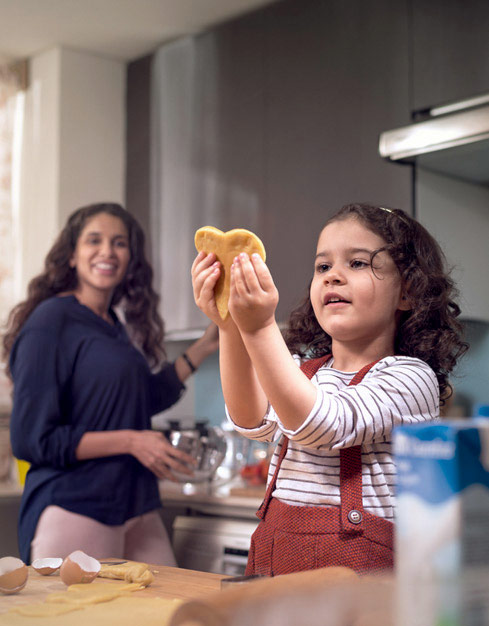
[(454, 140)]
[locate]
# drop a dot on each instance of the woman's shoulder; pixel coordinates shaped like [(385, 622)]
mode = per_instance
[(49, 313)]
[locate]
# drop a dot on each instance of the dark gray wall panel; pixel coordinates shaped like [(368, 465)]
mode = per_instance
[(450, 50), (336, 78)]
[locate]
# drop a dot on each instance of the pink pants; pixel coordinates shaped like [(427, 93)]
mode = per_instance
[(143, 538)]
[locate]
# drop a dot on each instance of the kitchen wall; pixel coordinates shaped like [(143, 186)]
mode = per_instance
[(456, 212), (72, 153), (471, 376), (203, 399), (73, 148)]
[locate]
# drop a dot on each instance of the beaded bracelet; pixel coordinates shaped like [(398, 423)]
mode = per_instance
[(189, 362)]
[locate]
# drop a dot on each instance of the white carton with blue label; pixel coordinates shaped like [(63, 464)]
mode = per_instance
[(442, 522)]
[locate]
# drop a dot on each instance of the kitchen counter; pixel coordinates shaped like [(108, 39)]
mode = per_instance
[(231, 499), (10, 489)]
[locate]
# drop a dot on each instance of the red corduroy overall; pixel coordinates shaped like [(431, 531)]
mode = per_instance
[(296, 538)]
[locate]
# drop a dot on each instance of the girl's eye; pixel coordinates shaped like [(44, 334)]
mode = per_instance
[(93, 240), (356, 264), (121, 243), (322, 267)]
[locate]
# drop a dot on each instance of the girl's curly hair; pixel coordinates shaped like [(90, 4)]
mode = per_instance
[(135, 293), (430, 330)]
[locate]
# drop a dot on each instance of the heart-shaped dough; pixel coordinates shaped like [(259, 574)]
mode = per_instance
[(226, 246)]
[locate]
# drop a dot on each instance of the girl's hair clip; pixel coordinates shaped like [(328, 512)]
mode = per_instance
[(399, 215)]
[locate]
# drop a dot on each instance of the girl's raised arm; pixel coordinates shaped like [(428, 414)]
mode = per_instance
[(243, 394), (252, 304)]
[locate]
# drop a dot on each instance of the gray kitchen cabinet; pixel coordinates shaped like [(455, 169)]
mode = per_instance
[(450, 51), (336, 77), (456, 213), (271, 122), (208, 104)]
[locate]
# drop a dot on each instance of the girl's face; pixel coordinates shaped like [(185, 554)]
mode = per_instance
[(102, 254), (357, 305)]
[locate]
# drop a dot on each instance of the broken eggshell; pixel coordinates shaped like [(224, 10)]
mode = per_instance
[(13, 574), (46, 567), (78, 567)]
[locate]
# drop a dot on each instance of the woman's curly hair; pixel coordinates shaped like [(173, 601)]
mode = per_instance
[(430, 330), (135, 293)]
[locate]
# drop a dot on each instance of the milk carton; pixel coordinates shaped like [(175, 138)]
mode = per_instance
[(442, 523)]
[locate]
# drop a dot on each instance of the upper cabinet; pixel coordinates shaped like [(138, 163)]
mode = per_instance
[(207, 153), (456, 213), (450, 59), (271, 123), (330, 90)]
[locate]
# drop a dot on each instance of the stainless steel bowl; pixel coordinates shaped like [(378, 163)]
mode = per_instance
[(206, 444)]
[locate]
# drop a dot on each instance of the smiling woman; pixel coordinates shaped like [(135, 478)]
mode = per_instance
[(85, 388), (101, 258)]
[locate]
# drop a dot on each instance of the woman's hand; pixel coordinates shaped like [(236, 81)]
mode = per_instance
[(153, 450), (210, 339), (254, 297), (198, 351)]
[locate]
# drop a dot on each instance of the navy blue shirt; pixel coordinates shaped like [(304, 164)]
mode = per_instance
[(73, 373)]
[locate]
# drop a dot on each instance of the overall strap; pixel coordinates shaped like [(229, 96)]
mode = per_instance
[(350, 463), (351, 500)]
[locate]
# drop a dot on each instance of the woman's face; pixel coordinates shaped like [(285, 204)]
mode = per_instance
[(102, 254)]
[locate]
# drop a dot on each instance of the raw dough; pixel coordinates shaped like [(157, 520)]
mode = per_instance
[(226, 246), (45, 610), (131, 572), (81, 595), (125, 611)]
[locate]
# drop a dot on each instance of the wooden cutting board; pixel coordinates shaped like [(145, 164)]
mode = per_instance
[(170, 582)]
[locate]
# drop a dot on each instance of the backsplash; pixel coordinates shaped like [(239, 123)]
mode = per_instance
[(203, 398), (205, 401), (471, 376)]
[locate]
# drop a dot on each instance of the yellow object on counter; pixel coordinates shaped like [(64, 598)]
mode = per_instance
[(22, 469), (131, 572)]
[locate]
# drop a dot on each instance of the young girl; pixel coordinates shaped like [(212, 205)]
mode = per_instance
[(375, 340)]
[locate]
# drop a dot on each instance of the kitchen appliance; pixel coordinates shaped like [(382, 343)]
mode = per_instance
[(452, 139), (212, 544)]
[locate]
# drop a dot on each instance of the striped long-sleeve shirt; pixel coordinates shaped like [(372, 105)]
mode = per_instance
[(397, 390)]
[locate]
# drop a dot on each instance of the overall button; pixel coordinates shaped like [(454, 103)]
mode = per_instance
[(355, 517)]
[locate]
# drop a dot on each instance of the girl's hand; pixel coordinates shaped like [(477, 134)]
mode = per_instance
[(253, 297), (205, 274), (153, 450)]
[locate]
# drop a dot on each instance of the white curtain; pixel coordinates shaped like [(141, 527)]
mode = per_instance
[(11, 113)]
